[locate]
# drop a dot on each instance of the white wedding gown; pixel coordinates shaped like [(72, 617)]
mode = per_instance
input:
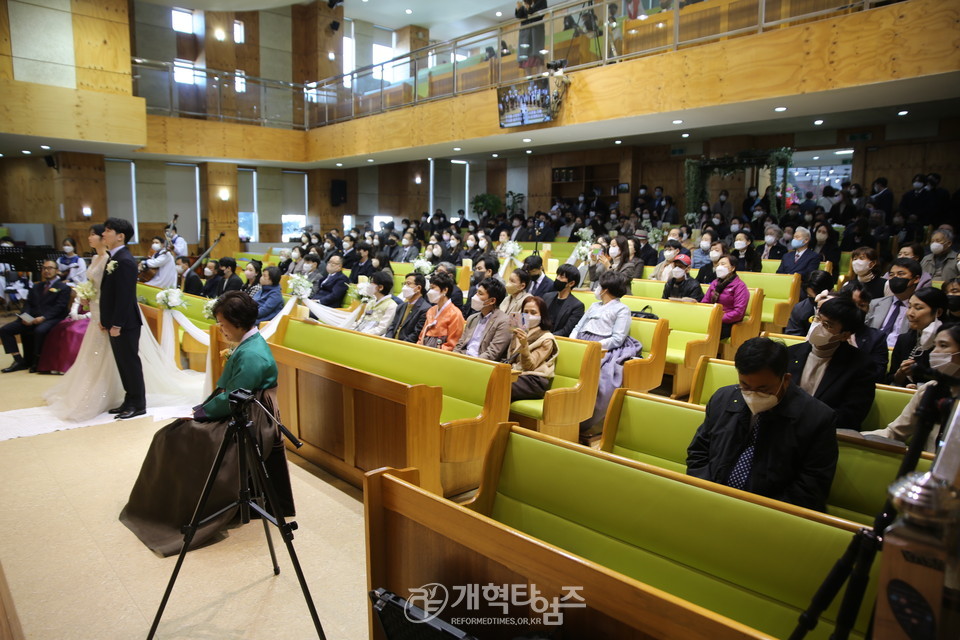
[(92, 385)]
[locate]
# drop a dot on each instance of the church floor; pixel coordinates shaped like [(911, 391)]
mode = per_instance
[(74, 571)]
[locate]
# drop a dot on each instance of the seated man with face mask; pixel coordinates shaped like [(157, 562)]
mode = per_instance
[(766, 435), (487, 332), (831, 369)]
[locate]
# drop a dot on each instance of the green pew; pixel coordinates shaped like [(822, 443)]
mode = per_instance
[(771, 266), (474, 398), (648, 273), (780, 293), (694, 332), (754, 560), (658, 430), (572, 394)]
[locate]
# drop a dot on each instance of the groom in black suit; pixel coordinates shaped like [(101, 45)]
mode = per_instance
[(120, 316)]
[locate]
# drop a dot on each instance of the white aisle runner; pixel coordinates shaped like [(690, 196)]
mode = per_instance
[(22, 423)]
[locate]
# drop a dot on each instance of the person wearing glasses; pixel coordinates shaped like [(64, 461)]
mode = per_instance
[(47, 304)]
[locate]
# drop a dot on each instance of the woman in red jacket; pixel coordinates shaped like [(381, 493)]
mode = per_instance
[(730, 292)]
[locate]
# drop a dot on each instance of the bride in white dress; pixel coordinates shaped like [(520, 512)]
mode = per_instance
[(92, 385)]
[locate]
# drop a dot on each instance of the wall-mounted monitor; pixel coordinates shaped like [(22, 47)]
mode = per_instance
[(525, 103)]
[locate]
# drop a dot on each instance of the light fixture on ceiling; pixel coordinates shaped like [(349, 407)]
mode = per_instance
[(417, 180), (26, 152), (817, 123), (456, 148), (902, 113), (45, 147), (408, 11), (458, 162), (684, 135), (618, 142), (499, 14), (528, 140), (339, 164), (816, 157), (369, 159), (779, 109), (494, 155), (843, 152), (1, 155), (678, 122), (529, 150)]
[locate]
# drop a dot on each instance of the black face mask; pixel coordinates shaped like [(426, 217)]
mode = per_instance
[(899, 285), (953, 302), (559, 285), (477, 278)]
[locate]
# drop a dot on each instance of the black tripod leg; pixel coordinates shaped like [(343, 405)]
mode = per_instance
[(853, 597), (830, 588), (258, 492), (190, 530), (286, 529)]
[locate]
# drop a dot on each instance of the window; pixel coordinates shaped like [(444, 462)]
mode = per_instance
[(247, 219), (378, 220), (349, 61), (292, 224), (381, 54), (183, 72), (347, 223), (238, 31), (294, 203), (240, 81), (182, 20)]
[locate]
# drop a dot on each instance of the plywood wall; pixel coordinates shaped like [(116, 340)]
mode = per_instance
[(6, 52), (101, 43), (26, 191), (217, 214)]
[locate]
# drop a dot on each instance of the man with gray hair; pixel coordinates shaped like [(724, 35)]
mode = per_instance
[(941, 262), (801, 259)]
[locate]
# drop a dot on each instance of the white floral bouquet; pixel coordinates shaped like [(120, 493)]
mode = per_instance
[(509, 249), (208, 308), (299, 286), (692, 219), (581, 251), (86, 292), (654, 234), (422, 265), (363, 290), (586, 235), (171, 299)]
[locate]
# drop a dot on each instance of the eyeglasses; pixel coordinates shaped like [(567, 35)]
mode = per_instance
[(829, 325)]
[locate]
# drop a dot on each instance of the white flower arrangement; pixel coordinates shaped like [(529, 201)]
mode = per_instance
[(585, 234), (171, 299), (111, 266), (581, 251), (654, 234), (208, 308), (86, 292), (422, 265), (300, 286), (509, 249), (692, 219), (362, 289)]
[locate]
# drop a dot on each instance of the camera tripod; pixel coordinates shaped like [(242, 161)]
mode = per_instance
[(853, 567), (255, 485)]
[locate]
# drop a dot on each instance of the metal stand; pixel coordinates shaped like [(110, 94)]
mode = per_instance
[(853, 567), (255, 484)]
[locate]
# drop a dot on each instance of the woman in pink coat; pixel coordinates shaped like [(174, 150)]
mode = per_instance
[(730, 292)]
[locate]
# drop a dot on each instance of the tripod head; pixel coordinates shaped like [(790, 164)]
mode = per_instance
[(241, 399)]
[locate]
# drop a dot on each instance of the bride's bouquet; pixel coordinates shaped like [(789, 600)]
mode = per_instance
[(509, 249), (86, 292), (300, 286), (170, 299)]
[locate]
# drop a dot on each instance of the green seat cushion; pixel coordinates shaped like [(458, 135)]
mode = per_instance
[(656, 432), (528, 408), (887, 407), (457, 409), (753, 564)]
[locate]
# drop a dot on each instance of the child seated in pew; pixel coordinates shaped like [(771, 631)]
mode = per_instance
[(607, 321), (533, 352)]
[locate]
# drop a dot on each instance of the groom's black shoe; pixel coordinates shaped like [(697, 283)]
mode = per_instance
[(18, 365), (130, 413), (119, 409)]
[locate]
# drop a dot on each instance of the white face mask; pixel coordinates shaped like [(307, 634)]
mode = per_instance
[(406, 292), (437, 251), (714, 256), (405, 242), (734, 228), (770, 240), (598, 294), (717, 221), (308, 267), (822, 237), (723, 198), (861, 267), (347, 245), (327, 246), (721, 271), (452, 243), (156, 246), (614, 251), (532, 322), (483, 243), (936, 248), (943, 362), (476, 303), (820, 337), (705, 245), (433, 296), (67, 248), (704, 208), (678, 273), (760, 402), (740, 245), (208, 272), (471, 244), (670, 254), (181, 268)]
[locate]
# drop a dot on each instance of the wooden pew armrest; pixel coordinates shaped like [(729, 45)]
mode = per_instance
[(562, 405), (697, 348)]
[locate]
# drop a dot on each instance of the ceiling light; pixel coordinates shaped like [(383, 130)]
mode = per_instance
[(779, 109), (529, 150), (618, 142), (831, 171), (369, 159), (843, 152), (902, 113), (544, 52), (678, 122), (339, 164), (417, 180), (684, 135), (1, 155), (495, 155), (456, 148), (408, 11), (45, 147), (499, 14), (817, 122), (25, 152), (458, 162), (527, 140), (816, 157), (331, 55)]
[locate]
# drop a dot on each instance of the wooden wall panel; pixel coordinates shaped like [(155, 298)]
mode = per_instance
[(186, 137), (6, 51), (540, 179), (101, 43), (497, 177), (217, 214), (318, 197), (271, 232), (80, 181), (26, 191), (399, 194)]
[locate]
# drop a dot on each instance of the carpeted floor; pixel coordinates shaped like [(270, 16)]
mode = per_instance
[(74, 571)]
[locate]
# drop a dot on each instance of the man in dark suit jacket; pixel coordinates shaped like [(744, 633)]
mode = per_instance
[(564, 309), (487, 266), (766, 435), (802, 260), (231, 281), (411, 314), (120, 316), (832, 370), (48, 303), (540, 284), (331, 290), (189, 280), (646, 254)]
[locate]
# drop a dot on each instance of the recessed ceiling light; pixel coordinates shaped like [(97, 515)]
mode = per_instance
[(408, 11), (339, 164), (817, 122), (1, 155), (529, 150), (369, 159), (816, 157), (618, 142), (495, 155), (779, 109), (499, 14), (527, 140), (678, 122), (456, 148), (544, 52), (684, 135), (45, 147), (843, 152), (902, 113), (25, 152)]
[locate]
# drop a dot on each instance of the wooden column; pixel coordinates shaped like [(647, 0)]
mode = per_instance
[(220, 55), (318, 198), (314, 40), (6, 51), (79, 182), (219, 179)]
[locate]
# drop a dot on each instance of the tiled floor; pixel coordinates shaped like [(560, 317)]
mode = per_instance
[(74, 571)]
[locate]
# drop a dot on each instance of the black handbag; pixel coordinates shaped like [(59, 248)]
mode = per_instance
[(646, 312)]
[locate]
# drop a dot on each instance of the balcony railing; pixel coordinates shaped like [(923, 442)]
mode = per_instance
[(582, 35)]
